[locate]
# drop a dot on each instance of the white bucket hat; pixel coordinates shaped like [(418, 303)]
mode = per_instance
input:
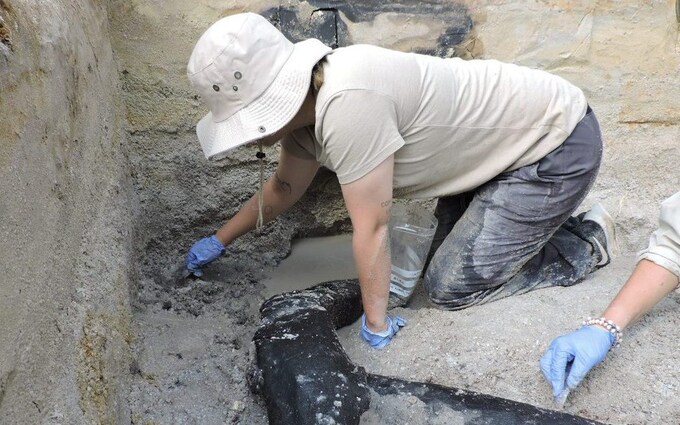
[(253, 79)]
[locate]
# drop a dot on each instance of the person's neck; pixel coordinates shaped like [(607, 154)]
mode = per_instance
[(306, 116)]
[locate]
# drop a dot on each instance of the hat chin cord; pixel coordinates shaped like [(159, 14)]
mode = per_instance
[(260, 197)]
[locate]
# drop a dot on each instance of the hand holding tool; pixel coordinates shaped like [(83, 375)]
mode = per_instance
[(203, 252), (570, 357)]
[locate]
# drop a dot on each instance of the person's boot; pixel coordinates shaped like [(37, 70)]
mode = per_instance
[(600, 225)]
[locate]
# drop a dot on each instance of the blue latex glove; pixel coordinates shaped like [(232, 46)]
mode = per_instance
[(570, 357), (203, 252), (381, 339)]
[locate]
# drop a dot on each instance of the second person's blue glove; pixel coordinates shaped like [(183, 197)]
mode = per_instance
[(381, 339), (204, 251), (584, 349)]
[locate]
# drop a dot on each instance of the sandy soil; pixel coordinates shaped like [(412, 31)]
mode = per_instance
[(194, 350), (495, 349), (195, 358)]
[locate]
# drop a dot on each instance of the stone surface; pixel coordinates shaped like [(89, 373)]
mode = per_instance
[(495, 349)]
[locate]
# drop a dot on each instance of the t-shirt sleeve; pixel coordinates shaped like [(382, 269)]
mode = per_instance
[(358, 130), (300, 143), (664, 244)]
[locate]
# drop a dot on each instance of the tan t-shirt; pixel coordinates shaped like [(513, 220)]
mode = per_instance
[(452, 125)]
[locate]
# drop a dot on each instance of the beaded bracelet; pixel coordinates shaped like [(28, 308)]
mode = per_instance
[(610, 326)]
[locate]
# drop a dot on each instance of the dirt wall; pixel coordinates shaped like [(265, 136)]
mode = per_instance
[(65, 217)]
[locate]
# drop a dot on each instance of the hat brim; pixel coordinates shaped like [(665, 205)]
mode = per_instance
[(270, 112)]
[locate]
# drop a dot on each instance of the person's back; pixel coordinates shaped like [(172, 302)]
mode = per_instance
[(452, 124)]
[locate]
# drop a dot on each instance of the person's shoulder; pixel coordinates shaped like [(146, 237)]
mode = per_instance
[(361, 52), (356, 66), (343, 71)]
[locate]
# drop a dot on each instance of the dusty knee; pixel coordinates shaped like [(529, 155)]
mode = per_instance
[(451, 286), (442, 289)]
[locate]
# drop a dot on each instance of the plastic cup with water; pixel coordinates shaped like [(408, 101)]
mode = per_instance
[(411, 228)]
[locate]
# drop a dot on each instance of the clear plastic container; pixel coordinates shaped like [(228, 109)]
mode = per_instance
[(411, 230)]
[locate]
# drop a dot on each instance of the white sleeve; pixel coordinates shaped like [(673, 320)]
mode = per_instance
[(664, 244), (300, 143)]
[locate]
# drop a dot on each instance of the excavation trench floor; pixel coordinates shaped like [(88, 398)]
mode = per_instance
[(194, 361)]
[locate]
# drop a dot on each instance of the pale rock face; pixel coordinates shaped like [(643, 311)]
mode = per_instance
[(65, 217)]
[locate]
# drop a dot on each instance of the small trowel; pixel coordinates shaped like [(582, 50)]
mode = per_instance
[(561, 398), (177, 275)]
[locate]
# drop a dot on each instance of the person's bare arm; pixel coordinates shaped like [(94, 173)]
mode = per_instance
[(657, 274), (291, 180), (368, 202), (648, 285)]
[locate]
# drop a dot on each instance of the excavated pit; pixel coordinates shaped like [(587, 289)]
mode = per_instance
[(104, 188)]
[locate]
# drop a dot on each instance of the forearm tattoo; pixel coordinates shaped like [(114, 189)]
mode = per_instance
[(282, 184)]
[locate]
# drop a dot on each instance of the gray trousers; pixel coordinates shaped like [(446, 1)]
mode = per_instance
[(515, 233)]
